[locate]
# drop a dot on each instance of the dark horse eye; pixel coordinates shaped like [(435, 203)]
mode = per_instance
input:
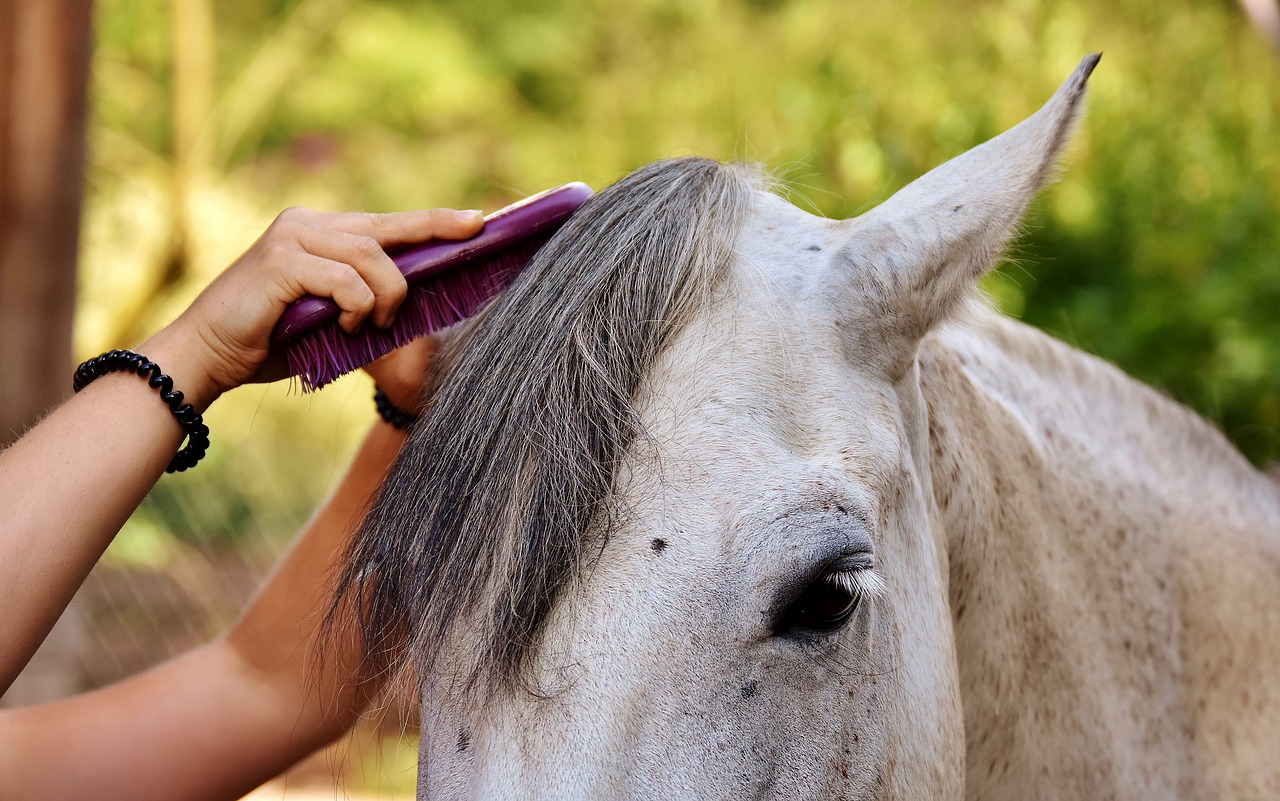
[(825, 606)]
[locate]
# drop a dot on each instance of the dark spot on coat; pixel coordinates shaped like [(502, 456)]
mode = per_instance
[(464, 740), (749, 689), (814, 247), (957, 207), (658, 545)]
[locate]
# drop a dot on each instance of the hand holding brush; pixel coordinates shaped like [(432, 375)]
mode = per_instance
[(227, 716), (227, 330), (72, 480)]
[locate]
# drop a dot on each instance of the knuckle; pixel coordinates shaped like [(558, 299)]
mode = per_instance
[(276, 254), (287, 231), (437, 219), (365, 301), (293, 214), (367, 248), (349, 281), (399, 288), (346, 276), (384, 223)]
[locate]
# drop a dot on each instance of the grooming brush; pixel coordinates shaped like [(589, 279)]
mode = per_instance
[(448, 282)]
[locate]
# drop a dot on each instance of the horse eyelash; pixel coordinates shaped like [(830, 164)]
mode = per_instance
[(864, 583)]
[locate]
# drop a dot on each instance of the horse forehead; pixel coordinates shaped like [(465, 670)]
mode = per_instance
[(762, 375), (762, 410), (756, 396), (785, 245)]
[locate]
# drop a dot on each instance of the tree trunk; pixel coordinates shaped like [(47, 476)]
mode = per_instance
[(45, 46)]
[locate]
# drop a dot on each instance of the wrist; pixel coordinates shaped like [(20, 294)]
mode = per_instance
[(185, 359), (191, 421), (404, 398), (392, 413)]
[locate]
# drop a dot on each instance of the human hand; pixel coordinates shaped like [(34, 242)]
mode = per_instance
[(223, 339), (403, 373)]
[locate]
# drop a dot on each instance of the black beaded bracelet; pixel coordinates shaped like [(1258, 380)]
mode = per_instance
[(394, 415), (127, 361)]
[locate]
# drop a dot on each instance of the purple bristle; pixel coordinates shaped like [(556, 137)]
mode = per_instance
[(323, 354)]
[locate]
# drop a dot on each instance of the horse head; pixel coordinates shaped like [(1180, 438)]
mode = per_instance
[(670, 529)]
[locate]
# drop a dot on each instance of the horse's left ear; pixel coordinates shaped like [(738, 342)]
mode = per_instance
[(917, 254)]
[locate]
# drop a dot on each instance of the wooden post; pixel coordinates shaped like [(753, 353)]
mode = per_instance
[(45, 47)]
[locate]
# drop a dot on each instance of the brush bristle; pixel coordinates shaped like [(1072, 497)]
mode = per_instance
[(325, 353)]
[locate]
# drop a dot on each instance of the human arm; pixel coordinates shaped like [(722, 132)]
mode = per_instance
[(70, 483), (220, 720)]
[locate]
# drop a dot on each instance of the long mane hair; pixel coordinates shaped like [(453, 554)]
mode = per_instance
[(483, 518)]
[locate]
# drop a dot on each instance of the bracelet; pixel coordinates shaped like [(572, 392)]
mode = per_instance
[(394, 415), (128, 361)]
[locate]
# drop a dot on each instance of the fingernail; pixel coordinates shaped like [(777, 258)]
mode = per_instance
[(471, 214)]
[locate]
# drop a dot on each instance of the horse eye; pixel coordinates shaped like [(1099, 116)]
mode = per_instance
[(826, 605)]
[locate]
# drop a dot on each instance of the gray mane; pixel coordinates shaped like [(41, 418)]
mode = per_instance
[(482, 520)]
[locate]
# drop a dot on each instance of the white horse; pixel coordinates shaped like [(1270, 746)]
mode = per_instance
[(727, 501)]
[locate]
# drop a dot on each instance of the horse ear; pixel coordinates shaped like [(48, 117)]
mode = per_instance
[(923, 248)]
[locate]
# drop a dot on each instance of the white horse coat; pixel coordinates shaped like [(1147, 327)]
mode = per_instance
[(1059, 583)]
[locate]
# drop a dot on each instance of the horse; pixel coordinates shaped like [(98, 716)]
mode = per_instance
[(724, 500)]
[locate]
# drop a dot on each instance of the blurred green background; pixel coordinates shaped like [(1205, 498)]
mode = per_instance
[(1159, 249)]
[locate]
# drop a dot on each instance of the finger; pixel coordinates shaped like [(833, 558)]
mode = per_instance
[(327, 278), (368, 258), (296, 214), (409, 226)]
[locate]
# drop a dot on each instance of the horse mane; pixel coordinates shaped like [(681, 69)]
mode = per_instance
[(484, 516)]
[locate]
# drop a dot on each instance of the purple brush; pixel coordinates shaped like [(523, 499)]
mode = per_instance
[(448, 281)]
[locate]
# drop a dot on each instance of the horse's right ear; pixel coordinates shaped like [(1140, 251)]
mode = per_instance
[(910, 260)]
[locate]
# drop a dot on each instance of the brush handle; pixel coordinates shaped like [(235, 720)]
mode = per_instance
[(504, 229)]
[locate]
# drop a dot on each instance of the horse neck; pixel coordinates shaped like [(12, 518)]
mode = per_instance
[(1095, 532)]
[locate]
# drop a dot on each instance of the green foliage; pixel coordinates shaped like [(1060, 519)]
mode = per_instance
[(1159, 250)]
